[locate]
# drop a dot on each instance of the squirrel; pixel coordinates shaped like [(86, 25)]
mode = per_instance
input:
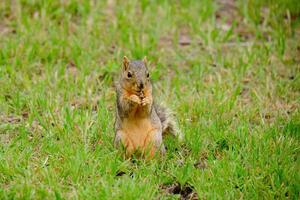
[(140, 123)]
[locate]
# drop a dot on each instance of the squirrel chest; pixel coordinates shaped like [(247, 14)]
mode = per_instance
[(138, 133)]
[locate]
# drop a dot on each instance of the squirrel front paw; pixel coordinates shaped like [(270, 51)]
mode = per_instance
[(145, 101), (134, 98)]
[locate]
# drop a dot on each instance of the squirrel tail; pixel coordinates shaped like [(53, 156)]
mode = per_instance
[(168, 122)]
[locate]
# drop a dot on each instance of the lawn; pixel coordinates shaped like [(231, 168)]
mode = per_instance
[(229, 70)]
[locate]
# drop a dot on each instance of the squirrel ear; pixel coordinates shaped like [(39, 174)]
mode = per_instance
[(145, 60), (125, 63)]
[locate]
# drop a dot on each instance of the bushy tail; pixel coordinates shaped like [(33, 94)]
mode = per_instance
[(168, 122)]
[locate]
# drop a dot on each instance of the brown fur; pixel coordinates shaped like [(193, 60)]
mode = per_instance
[(139, 123), (138, 134), (137, 130)]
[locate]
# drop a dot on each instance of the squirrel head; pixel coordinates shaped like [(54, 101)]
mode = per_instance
[(135, 75)]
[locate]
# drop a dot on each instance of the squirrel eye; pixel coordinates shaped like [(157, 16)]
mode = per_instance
[(129, 75), (147, 75)]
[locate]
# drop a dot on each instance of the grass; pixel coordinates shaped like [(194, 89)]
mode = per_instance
[(228, 69)]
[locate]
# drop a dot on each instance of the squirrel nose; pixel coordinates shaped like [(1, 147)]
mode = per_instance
[(141, 85)]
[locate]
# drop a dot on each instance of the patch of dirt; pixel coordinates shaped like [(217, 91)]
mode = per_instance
[(228, 15), (72, 69), (34, 127), (4, 29), (286, 108), (186, 191), (83, 103), (4, 139), (202, 163), (10, 119), (165, 42), (228, 10)]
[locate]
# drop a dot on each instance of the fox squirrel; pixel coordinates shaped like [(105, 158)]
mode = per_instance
[(140, 123)]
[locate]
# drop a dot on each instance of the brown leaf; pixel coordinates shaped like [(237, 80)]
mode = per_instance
[(25, 114), (120, 173), (184, 40)]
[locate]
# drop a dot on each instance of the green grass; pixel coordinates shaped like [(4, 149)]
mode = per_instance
[(234, 86)]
